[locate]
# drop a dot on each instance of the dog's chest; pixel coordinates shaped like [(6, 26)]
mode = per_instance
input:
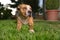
[(23, 19)]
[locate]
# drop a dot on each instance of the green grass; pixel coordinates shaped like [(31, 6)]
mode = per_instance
[(44, 30)]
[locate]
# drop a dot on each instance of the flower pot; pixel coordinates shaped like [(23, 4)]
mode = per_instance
[(52, 15)]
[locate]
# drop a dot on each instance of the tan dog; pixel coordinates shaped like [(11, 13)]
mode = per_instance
[(24, 16)]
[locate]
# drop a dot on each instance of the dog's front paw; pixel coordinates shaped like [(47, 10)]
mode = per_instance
[(31, 31)]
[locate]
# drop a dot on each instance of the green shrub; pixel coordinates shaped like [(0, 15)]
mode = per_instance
[(52, 4)]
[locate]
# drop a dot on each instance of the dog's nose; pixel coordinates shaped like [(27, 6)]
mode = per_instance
[(29, 12)]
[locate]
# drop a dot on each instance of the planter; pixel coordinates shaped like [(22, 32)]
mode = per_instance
[(52, 15)]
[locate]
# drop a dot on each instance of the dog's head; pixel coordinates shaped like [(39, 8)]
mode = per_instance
[(25, 9)]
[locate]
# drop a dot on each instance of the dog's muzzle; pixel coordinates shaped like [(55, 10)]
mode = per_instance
[(29, 13)]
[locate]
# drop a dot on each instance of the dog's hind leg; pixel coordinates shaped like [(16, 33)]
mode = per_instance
[(19, 24)]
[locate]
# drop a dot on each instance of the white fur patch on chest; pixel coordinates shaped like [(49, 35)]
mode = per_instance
[(24, 21)]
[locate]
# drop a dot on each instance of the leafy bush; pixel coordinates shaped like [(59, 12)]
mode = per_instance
[(52, 4), (6, 13)]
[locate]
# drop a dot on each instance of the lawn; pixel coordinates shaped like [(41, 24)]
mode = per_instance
[(44, 30)]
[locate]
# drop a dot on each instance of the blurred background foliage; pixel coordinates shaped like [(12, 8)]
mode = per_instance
[(7, 13), (34, 4), (52, 4)]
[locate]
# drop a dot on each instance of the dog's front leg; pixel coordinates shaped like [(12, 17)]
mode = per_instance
[(30, 23), (19, 24)]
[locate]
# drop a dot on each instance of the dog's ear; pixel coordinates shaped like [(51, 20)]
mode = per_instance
[(18, 7)]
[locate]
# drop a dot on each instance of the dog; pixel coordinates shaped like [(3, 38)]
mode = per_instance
[(24, 16)]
